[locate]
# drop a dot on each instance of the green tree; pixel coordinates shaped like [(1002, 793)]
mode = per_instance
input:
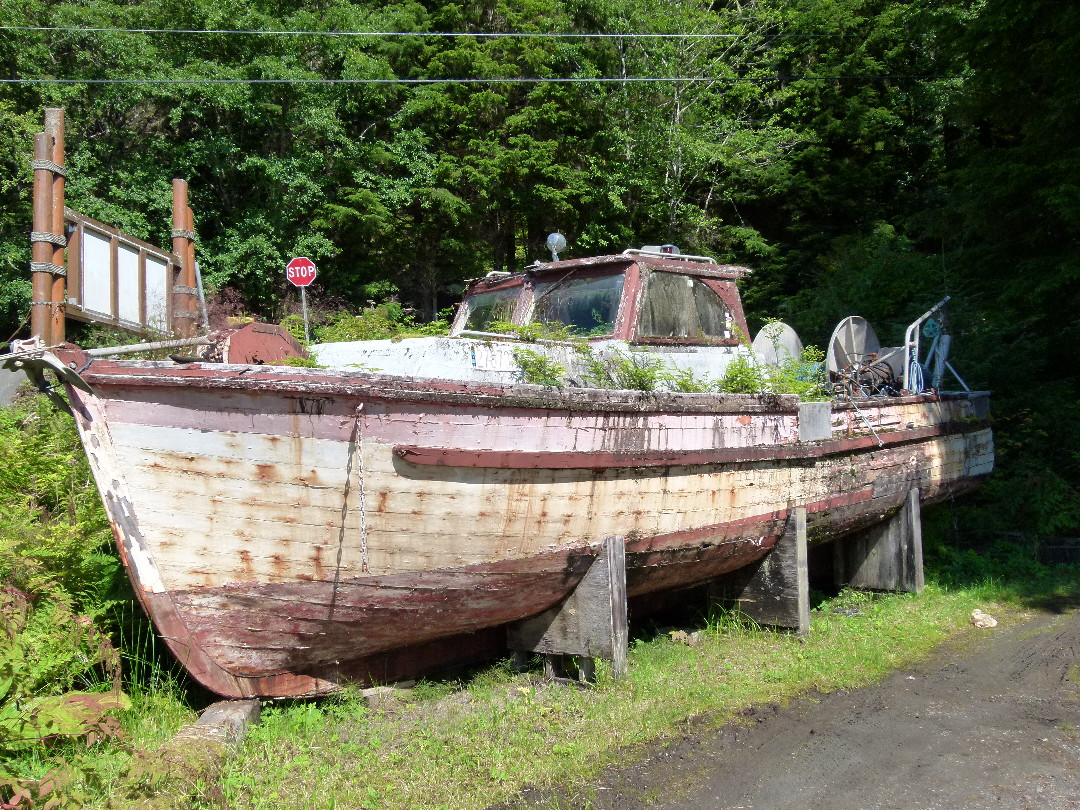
[(1013, 222)]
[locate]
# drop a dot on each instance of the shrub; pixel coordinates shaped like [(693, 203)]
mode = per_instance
[(742, 376), (803, 375), (634, 371), (298, 362), (386, 321), (539, 369), (685, 381), (59, 578)]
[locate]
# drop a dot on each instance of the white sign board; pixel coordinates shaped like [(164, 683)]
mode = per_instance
[(116, 279)]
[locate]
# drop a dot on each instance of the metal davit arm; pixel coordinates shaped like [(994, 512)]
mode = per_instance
[(911, 339)]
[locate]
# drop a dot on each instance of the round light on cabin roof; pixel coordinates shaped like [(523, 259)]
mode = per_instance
[(555, 242)]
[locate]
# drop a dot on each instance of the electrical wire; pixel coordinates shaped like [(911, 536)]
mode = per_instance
[(435, 34), (400, 81), (447, 34), (522, 80)]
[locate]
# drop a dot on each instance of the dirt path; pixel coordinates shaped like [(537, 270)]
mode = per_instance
[(991, 720)]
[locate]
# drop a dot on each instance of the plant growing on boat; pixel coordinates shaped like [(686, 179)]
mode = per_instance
[(298, 362), (539, 369), (386, 321), (611, 368), (536, 332), (742, 376), (685, 381), (803, 375)]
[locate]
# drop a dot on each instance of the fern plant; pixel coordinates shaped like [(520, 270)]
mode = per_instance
[(59, 578)]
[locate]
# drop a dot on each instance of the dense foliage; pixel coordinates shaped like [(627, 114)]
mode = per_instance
[(798, 123)]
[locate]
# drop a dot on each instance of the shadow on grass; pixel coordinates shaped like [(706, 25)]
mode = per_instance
[(1008, 566)]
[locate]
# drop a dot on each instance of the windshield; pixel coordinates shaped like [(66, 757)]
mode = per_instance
[(678, 306), (489, 308), (587, 306)]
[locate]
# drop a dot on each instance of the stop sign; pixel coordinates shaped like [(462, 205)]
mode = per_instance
[(300, 271)]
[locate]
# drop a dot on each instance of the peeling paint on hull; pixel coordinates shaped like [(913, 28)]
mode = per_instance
[(288, 529)]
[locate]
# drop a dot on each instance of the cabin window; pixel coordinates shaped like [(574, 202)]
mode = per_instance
[(587, 306), (677, 306), (488, 308)]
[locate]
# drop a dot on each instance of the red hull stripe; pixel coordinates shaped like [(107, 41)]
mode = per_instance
[(575, 460)]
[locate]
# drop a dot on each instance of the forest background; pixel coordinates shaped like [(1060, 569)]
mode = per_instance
[(863, 156)]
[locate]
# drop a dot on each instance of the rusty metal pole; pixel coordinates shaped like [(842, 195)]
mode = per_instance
[(189, 256), (54, 129), (184, 313), (194, 278), (42, 249)]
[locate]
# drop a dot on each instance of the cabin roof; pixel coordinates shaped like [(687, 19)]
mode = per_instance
[(673, 264)]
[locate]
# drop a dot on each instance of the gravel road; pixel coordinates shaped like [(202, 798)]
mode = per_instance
[(990, 720)]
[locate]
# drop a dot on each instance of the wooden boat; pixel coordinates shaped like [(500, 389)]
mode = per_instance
[(289, 529)]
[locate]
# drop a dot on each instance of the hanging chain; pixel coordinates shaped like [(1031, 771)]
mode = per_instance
[(360, 473), (356, 451)]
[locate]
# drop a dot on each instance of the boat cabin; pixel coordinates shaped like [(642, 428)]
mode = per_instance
[(640, 297), (684, 309)]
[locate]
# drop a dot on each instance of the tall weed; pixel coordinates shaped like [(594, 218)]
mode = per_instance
[(631, 371), (539, 369)]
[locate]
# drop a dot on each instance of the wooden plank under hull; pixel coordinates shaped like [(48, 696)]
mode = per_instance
[(281, 545)]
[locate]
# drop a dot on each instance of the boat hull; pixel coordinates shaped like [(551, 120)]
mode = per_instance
[(291, 529)]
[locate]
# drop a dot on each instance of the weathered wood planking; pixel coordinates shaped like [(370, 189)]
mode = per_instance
[(236, 514)]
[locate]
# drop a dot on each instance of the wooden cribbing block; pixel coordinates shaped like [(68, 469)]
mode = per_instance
[(775, 590), (590, 622), (885, 557), (224, 723)]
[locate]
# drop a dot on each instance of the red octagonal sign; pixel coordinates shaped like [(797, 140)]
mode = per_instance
[(300, 271)]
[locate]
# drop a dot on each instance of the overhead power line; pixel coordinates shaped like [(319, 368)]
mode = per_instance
[(448, 34), (525, 80)]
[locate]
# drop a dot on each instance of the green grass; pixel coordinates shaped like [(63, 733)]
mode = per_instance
[(479, 742)]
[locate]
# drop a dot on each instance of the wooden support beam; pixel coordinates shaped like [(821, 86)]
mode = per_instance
[(590, 622), (774, 591), (885, 557)]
